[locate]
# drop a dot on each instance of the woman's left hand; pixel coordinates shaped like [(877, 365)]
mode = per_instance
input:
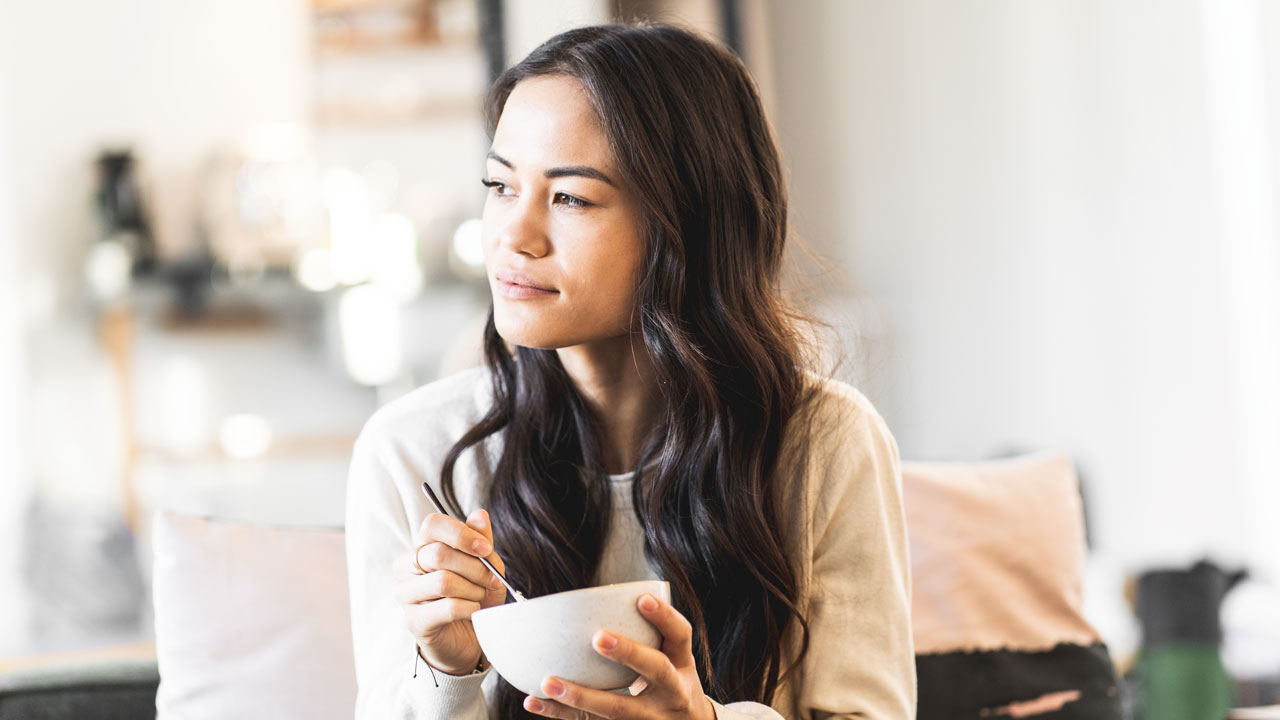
[(673, 690)]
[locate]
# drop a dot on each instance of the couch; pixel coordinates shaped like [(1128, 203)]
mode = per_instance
[(251, 621)]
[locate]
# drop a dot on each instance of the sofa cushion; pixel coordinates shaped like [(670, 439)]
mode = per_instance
[(997, 567), (251, 620)]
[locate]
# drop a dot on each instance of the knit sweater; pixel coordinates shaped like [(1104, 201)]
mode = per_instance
[(840, 501)]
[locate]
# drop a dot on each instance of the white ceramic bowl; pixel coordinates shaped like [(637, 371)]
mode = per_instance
[(551, 635)]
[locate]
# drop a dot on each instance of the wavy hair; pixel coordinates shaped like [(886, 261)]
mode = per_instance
[(690, 139)]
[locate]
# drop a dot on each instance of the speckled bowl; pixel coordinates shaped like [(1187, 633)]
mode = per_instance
[(551, 635)]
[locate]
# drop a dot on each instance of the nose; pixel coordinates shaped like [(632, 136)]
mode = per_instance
[(523, 229)]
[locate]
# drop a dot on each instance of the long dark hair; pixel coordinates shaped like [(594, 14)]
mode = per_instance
[(690, 139)]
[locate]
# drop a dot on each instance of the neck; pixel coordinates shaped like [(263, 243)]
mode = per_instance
[(616, 378)]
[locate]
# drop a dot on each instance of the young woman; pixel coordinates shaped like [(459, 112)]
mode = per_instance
[(645, 412)]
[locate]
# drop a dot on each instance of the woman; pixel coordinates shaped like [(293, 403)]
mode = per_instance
[(644, 413)]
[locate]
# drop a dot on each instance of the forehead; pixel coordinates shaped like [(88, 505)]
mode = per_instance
[(549, 121)]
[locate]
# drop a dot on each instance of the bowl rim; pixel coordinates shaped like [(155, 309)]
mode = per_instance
[(563, 593)]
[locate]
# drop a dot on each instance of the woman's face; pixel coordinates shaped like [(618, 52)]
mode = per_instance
[(562, 239)]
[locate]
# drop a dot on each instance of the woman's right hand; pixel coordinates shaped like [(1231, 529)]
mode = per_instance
[(438, 604)]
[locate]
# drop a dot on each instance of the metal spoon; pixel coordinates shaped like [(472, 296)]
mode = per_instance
[(440, 507)]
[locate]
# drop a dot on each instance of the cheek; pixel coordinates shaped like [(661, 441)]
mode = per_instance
[(604, 289), (488, 240)]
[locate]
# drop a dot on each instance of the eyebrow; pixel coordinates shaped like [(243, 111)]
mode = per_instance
[(566, 171)]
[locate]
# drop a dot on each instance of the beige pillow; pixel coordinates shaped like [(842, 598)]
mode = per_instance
[(251, 621), (997, 554)]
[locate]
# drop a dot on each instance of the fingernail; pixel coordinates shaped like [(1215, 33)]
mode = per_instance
[(495, 582), (553, 687), (476, 518), (533, 704), (481, 547), (607, 641), (648, 603)]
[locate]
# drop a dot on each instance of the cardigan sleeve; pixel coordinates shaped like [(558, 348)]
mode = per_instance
[(861, 660), (378, 529)]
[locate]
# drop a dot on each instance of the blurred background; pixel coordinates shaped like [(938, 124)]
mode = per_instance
[(230, 230)]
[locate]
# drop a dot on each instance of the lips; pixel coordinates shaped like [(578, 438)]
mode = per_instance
[(520, 286)]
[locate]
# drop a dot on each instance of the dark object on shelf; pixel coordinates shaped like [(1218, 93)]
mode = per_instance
[(120, 209), (731, 24), (493, 38), (192, 283), (1179, 673)]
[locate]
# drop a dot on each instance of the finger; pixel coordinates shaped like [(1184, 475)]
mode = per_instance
[(594, 702), (497, 592), (677, 633), (652, 664), (553, 709), (438, 556), (497, 595), (437, 527), (424, 619), (436, 585), (479, 519)]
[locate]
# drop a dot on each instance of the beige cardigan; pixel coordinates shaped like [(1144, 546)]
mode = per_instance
[(843, 502)]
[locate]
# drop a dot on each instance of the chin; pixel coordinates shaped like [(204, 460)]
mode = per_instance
[(530, 335), (553, 329)]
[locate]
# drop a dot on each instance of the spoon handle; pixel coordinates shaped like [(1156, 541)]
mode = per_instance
[(440, 508)]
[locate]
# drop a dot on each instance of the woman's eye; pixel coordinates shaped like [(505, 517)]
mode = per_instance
[(570, 200), (499, 188)]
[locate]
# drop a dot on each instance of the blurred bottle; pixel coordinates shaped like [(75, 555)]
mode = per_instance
[(1179, 673), (121, 216)]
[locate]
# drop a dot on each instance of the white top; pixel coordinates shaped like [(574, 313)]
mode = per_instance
[(842, 510)]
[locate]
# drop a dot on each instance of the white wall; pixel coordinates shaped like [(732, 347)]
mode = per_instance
[(1241, 73), (15, 483), (1025, 191), (527, 24)]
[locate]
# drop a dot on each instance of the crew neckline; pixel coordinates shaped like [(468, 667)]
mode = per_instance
[(625, 477)]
